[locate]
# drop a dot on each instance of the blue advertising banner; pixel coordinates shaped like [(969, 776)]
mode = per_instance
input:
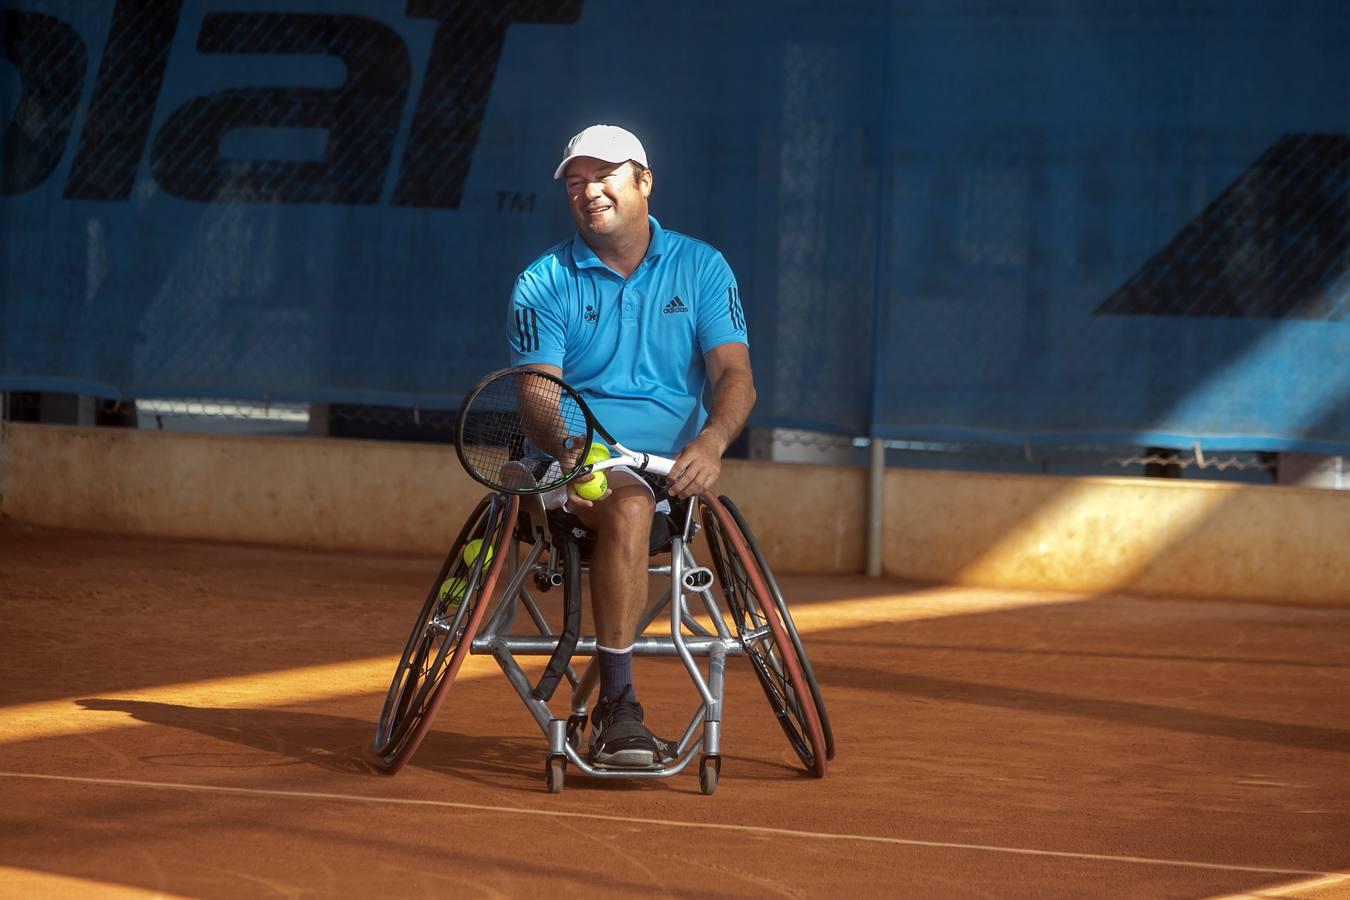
[(1048, 221)]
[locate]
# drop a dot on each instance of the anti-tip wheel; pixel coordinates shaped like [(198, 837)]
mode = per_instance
[(555, 773), (709, 768)]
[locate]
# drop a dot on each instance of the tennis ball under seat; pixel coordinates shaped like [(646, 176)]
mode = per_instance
[(471, 551), (452, 589)]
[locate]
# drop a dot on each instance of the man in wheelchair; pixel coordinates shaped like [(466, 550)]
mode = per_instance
[(646, 324)]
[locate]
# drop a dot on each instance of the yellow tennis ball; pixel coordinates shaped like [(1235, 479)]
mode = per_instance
[(471, 551), (452, 589), (597, 452), (593, 489)]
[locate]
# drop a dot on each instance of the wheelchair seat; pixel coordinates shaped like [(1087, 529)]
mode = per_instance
[(667, 523)]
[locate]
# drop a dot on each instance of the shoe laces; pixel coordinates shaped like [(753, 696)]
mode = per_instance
[(623, 708)]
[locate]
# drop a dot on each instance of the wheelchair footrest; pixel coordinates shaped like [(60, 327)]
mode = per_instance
[(667, 750)]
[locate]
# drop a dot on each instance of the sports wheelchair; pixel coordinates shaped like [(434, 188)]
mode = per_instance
[(511, 547)]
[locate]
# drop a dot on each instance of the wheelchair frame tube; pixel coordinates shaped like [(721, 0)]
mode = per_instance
[(525, 645), (703, 733), (677, 610), (505, 613)]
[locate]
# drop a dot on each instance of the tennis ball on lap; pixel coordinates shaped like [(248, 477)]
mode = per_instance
[(471, 551), (596, 487), (593, 489)]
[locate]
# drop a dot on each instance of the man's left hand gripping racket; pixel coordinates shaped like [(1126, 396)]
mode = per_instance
[(511, 407)]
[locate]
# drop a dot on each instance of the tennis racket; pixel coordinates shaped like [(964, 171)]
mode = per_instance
[(512, 409)]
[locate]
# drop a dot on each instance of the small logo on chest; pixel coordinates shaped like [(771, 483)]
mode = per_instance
[(674, 306), (591, 314)]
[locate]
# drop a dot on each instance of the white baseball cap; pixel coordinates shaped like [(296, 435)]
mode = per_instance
[(605, 142)]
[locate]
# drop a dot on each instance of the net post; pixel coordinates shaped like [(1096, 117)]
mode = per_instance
[(876, 487)]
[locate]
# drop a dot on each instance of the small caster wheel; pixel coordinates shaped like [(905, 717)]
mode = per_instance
[(709, 768), (555, 773), (576, 727)]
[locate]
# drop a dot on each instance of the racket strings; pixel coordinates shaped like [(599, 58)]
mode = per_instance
[(518, 423)]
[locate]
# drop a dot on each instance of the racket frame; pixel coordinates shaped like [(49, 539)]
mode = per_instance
[(643, 462)]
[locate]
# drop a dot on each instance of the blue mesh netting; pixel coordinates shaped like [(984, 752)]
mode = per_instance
[(1048, 221)]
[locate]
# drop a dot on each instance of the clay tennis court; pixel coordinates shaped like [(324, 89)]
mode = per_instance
[(187, 718)]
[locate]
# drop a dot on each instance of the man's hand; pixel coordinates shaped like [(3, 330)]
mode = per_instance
[(575, 500), (697, 467), (700, 462)]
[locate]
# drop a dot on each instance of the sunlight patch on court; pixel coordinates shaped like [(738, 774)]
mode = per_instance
[(915, 606), (310, 684), (29, 883), (1324, 887), (896, 609)]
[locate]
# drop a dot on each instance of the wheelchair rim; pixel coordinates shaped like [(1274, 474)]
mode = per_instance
[(398, 736), (785, 615), (405, 687), (799, 719)]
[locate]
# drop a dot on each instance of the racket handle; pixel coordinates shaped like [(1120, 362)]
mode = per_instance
[(658, 465), (644, 462)]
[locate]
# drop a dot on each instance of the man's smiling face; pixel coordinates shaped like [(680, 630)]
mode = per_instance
[(608, 200)]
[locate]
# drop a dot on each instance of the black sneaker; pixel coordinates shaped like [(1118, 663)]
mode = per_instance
[(618, 737)]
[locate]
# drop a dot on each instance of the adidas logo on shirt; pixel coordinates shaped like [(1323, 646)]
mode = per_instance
[(674, 306)]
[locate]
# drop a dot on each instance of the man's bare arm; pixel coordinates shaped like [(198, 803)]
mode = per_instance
[(540, 416), (699, 464)]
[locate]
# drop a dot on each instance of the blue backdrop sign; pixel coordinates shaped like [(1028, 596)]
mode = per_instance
[(1063, 221)]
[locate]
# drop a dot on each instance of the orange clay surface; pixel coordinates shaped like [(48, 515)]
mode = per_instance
[(187, 719)]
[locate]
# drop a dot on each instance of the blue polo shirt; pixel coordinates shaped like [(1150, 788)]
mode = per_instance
[(633, 348)]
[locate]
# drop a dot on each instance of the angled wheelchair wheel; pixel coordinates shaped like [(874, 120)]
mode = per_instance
[(445, 626), (785, 615), (766, 641)]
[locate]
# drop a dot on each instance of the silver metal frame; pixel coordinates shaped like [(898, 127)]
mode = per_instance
[(688, 639)]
